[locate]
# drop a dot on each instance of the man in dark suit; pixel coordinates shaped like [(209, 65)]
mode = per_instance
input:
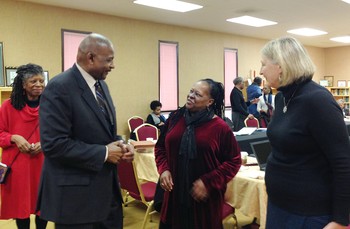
[(238, 105), (79, 185)]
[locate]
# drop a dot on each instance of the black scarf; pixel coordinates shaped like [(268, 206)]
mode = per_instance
[(188, 152), (188, 142)]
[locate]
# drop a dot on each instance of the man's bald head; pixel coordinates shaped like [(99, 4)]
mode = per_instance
[(95, 55), (92, 43)]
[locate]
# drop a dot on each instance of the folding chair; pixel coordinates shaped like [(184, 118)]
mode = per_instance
[(227, 212), (143, 192), (251, 122), (134, 122), (145, 131)]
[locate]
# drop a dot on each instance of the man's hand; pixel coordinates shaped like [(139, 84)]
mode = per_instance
[(254, 101), (128, 152), (250, 116), (115, 153)]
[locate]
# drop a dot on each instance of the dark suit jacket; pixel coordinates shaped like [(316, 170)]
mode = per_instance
[(237, 102), (77, 186)]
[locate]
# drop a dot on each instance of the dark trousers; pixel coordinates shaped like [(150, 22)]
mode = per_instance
[(25, 223), (238, 120), (164, 226), (279, 218), (114, 220)]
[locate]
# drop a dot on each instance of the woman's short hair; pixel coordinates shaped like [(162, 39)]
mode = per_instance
[(292, 57), (154, 104)]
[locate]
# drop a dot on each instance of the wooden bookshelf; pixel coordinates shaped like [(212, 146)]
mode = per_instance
[(341, 93), (5, 93)]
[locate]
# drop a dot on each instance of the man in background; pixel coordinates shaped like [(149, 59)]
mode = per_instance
[(238, 105), (343, 108), (253, 93), (79, 187)]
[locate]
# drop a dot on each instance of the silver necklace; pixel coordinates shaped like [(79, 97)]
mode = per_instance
[(285, 108)]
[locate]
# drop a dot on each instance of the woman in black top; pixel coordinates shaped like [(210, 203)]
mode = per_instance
[(308, 172), (156, 118)]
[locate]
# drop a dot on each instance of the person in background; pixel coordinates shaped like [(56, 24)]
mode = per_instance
[(343, 108), (308, 171), (253, 93), (79, 185), (196, 156), (238, 105), (21, 149), (266, 104), (156, 118)]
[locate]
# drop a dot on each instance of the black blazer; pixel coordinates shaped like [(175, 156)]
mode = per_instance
[(77, 186)]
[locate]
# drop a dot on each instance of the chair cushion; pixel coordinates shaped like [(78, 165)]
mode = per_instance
[(227, 210), (149, 189)]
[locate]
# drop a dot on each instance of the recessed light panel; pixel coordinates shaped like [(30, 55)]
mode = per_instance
[(343, 39), (347, 1), (172, 5), (307, 32), (251, 21)]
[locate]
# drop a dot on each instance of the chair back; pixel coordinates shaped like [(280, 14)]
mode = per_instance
[(144, 192), (128, 179), (134, 122), (146, 130), (227, 212), (251, 122)]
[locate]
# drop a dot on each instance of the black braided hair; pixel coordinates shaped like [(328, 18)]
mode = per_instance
[(217, 92), (18, 94)]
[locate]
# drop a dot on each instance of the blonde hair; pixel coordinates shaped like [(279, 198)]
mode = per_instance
[(292, 57)]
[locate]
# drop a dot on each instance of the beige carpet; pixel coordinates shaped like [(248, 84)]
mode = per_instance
[(133, 217)]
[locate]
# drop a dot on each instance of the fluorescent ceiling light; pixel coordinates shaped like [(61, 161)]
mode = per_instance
[(172, 5), (307, 32), (343, 39), (251, 21), (347, 1)]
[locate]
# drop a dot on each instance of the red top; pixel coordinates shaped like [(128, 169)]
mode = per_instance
[(217, 163), (19, 193)]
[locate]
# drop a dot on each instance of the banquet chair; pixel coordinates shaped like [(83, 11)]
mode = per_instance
[(145, 131), (143, 192), (254, 122), (263, 123), (134, 122), (227, 212)]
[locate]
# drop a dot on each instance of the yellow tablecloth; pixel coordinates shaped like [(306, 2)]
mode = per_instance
[(245, 192), (146, 166)]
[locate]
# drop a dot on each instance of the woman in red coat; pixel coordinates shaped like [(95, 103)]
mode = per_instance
[(20, 141), (196, 156)]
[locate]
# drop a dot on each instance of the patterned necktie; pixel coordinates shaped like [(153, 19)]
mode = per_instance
[(101, 100)]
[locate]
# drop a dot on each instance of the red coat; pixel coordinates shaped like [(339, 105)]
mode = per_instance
[(217, 163), (19, 193)]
